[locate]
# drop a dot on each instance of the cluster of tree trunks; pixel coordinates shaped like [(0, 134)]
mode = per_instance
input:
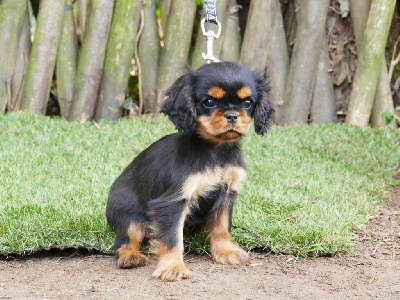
[(371, 95), (88, 50)]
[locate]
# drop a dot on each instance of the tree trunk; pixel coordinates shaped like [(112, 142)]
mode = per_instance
[(177, 40), (21, 63), (323, 107), (84, 8), (165, 7), (231, 43), (258, 34), (120, 48), (370, 62), (278, 63), (311, 17), (43, 56), (148, 56), (66, 62), (12, 14), (90, 65), (383, 97), (200, 47)]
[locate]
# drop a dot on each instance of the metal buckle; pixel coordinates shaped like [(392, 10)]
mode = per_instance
[(210, 35)]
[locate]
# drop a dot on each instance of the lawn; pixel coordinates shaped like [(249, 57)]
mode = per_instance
[(307, 187)]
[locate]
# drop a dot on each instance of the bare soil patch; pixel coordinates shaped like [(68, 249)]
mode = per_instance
[(369, 271)]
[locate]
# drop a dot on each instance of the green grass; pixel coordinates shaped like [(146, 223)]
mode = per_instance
[(307, 187)]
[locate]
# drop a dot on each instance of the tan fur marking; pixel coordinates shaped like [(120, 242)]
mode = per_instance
[(170, 265), (223, 249), (129, 255), (200, 183), (136, 233), (216, 92), (244, 92), (234, 177), (206, 127), (219, 229), (243, 124), (217, 129)]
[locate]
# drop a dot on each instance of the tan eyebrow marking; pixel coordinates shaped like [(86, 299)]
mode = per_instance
[(216, 92), (244, 92)]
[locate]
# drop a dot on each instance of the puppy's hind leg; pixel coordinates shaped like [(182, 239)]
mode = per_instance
[(129, 255)]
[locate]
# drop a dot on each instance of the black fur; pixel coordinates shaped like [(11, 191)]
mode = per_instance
[(149, 190), (183, 102), (264, 110), (179, 105)]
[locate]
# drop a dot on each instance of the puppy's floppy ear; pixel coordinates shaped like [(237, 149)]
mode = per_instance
[(179, 105), (264, 108)]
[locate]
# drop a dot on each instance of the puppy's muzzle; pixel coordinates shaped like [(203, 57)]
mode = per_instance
[(232, 118)]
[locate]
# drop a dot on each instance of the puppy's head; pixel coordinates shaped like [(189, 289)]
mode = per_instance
[(218, 101)]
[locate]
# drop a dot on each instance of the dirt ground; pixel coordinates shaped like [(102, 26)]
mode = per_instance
[(369, 271)]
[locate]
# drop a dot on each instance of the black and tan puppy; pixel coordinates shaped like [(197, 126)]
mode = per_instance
[(191, 178)]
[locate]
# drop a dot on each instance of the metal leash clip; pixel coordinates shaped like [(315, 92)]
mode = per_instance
[(210, 35)]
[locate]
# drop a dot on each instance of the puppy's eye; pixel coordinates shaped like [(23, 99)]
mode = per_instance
[(209, 103), (247, 104)]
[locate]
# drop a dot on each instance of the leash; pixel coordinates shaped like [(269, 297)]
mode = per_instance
[(210, 15)]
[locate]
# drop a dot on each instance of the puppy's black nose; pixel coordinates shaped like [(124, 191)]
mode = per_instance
[(232, 118)]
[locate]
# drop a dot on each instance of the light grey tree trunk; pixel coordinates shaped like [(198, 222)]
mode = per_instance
[(278, 63), (174, 55), (120, 49), (165, 8), (91, 60), (257, 37), (21, 63), (230, 50), (67, 59), (370, 62), (12, 14), (43, 56), (323, 106), (84, 8), (311, 16), (383, 100), (149, 57)]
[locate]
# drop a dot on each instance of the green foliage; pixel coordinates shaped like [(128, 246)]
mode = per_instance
[(387, 115), (133, 85), (307, 187)]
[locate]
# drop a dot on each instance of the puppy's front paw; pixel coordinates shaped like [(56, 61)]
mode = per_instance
[(171, 273), (229, 253)]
